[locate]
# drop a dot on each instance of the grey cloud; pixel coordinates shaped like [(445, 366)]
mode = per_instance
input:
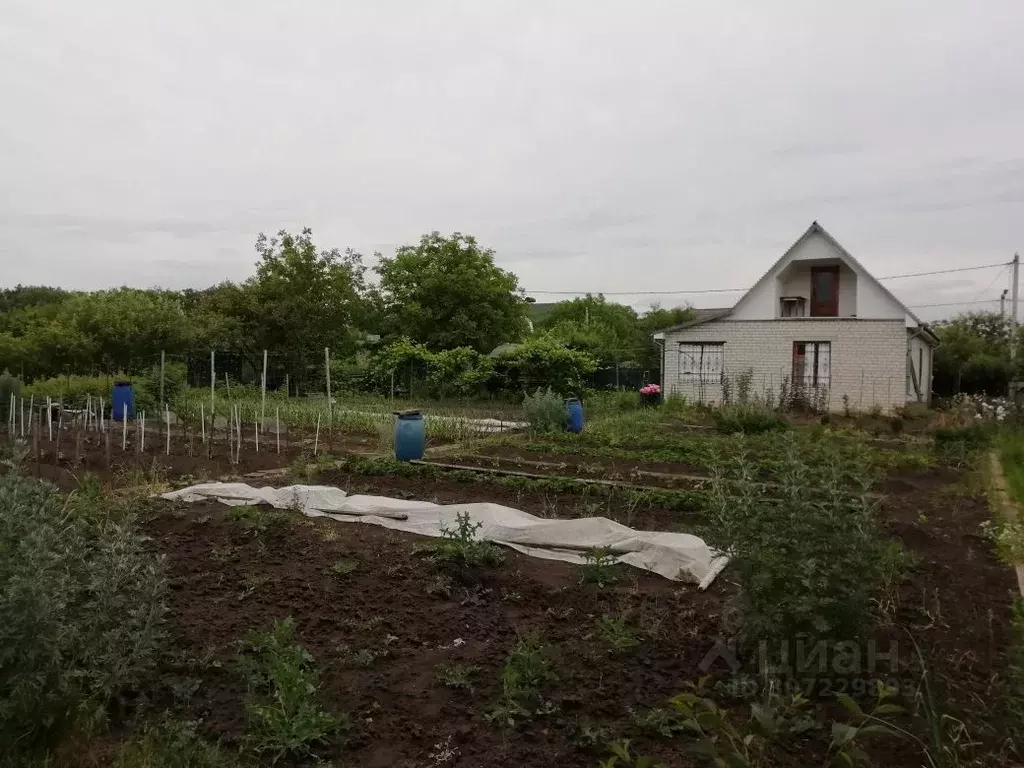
[(594, 146)]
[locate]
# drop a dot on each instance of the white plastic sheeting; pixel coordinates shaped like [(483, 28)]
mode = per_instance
[(677, 556)]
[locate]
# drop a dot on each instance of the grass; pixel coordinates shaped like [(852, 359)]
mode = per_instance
[(1011, 453), (174, 744), (343, 567)]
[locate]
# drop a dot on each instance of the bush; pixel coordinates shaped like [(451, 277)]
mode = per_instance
[(748, 419), (805, 548), (82, 603), (545, 412), (972, 437), (9, 385), (546, 361)]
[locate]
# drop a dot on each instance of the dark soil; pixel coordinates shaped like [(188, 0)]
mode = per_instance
[(227, 581)]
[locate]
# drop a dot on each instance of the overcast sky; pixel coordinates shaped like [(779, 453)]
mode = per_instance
[(594, 145)]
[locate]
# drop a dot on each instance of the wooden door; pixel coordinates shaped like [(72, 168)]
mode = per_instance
[(824, 291)]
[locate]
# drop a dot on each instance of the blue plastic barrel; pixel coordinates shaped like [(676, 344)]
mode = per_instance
[(409, 436), (123, 395), (574, 411)]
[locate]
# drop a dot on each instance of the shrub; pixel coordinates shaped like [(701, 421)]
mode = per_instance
[(748, 419), (598, 567), (9, 385), (806, 550), (544, 360), (82, 603), (284, 716), (972, 437), (545, 412)]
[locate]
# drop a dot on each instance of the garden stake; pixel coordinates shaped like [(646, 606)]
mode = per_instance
[(31, 403), (124, 427), (277, 418), (316, 439), (167, 417), (49, 419), (202, 420)]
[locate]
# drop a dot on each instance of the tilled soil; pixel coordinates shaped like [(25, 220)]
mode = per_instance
[(227, 581)]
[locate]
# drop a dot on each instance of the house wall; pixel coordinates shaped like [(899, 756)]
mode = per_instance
[(921, 356), (868, 358), (859, 296)]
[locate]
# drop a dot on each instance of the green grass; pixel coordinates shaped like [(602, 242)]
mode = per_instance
[(1011, 454)]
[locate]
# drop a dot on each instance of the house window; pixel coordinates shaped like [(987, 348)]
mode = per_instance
[(701, 363), (812, 363)]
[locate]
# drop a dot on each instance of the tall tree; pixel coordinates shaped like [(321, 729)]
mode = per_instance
[(304, 299), (447, 292)]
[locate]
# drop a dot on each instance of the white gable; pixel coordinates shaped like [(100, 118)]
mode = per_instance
[(860, 295)]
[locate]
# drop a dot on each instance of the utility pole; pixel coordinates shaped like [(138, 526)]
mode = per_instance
[(1002, 302), (1013, 305)]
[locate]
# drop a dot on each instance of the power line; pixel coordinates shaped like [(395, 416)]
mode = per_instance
[(953, 303), (738, 290)]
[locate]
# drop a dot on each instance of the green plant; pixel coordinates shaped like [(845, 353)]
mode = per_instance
[(82, 602), (343, 567), (748, 418), (974, 437), (457, 675), (459, 545), (616, 633), (545, 412), (622, 755), (173, 744), (807, 554), (894, 563), (255, 519), (598, 567), (526, 671), (284, 715)]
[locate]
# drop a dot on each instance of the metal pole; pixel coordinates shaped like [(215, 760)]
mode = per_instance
[(1013, 305), (161, 377)]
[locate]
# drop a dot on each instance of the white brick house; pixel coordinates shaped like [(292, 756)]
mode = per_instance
[(817, 323)]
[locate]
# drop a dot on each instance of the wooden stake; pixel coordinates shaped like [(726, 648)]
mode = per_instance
[(23, 417), (106, 446), (277, 419), (213, 408), (257, 437), (167, 418), (140, 433), (202, 421), (263, 404), (124, 426), (31, 403), (327, 370), (316, 439), (238, 442), (49, 418), (102, 425)]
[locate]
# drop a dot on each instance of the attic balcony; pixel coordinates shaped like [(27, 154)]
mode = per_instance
[(816, 288)]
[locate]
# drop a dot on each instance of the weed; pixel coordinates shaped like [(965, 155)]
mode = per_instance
[(460, 546), (173, 744), (255, 520), (457, 675), (361, 658), (894, 563), (657, 722), (597, 568), (622, 755), (526, 671), (588, 737), (343, 567), (817, 531), (616, 633), (440, 586), (749, 419), (284, 716)]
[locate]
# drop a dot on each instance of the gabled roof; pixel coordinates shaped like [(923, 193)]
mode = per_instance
[(845, 255), (700, 316)]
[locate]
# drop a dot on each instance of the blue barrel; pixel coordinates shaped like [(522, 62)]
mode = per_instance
[(409, 436), (574, 412), (123, 395)]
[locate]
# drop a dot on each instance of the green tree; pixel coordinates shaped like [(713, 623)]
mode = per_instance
[(974, 354), (447, 292), (303, 299)]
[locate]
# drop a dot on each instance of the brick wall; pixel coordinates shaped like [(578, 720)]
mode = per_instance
[(868, 358)]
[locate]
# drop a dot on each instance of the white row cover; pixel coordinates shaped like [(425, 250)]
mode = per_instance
[(676, 556)]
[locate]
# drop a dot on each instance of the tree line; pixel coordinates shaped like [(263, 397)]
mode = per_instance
[(442, 302)]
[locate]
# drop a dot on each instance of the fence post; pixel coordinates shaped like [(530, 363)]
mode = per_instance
[(161, 377), (263, 402), (213, 383), (327, 370)]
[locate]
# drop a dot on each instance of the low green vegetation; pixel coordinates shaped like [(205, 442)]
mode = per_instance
[(748, 419), (458, 676), (82, 602), (174, 744), (527, 671), (254, 519), (598, 567), (343, 566), (461, 548), (285, 717), (544, 412)]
